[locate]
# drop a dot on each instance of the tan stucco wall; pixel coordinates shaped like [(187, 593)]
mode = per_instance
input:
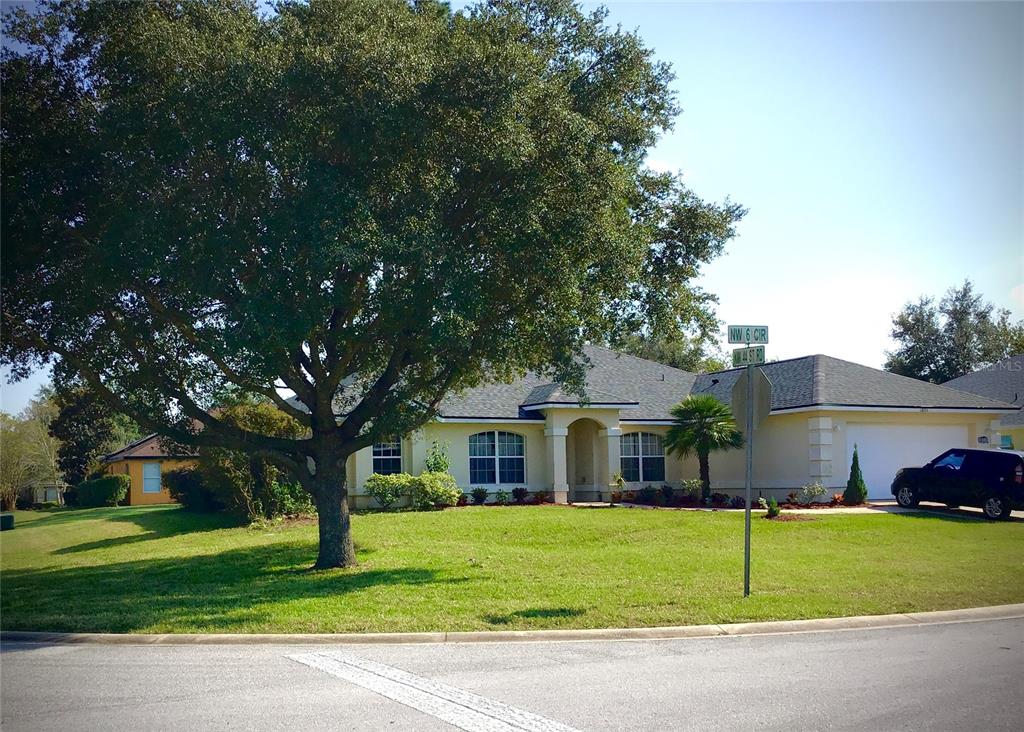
[(133, 469), (414, 451), (790, 449)]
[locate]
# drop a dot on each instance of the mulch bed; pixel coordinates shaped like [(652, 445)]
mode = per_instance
[(791, 517)]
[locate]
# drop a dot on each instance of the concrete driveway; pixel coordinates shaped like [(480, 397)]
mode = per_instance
[(950, 676)]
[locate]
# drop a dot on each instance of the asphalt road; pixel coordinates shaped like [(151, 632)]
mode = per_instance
[(953, 676)]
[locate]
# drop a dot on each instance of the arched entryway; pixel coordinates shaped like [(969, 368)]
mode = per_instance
[(585, 474)]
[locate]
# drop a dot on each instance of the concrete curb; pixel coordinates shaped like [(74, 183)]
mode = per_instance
[(819, 625)]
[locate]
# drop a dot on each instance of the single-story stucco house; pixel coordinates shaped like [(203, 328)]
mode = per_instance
[(531, 433), (1003, 381), (145, 461)]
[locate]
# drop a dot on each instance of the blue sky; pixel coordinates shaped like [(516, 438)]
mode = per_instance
[(879, 148)]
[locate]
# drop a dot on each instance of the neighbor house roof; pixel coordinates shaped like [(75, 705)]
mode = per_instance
[(145, 447), (1003, 380)]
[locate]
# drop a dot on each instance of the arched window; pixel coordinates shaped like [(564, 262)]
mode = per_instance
[(497, 457), (642, 457), (387, 457)]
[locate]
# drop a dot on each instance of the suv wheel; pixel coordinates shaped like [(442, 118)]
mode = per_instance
[(996, 508), (906, 497)]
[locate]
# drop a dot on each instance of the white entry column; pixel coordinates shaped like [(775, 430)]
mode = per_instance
[(557, 470)]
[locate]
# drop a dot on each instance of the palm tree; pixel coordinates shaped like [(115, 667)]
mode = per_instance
[(701, 425)]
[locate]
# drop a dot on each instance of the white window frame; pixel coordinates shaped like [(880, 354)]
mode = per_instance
[(147, 478), (641, 454), (497, 457), (387, 451)]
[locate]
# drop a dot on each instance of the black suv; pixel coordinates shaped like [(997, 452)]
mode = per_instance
[(992, 480)]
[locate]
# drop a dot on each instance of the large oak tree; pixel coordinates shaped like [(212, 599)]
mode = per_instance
[(368, 204)]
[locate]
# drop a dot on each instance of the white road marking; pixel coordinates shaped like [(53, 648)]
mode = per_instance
[(455, 706)]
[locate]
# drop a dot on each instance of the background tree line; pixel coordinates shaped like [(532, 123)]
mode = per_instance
[(961, 333)]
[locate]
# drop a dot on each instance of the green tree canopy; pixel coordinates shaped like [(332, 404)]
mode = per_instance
[(87, 429), (367, 204), (28, 453), (962, 333)]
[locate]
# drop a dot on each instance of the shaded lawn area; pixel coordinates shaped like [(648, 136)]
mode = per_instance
[(160, 569)]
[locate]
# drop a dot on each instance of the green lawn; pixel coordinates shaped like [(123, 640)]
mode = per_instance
[(161, 569)]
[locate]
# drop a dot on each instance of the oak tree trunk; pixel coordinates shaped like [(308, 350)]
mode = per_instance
[(334, 521)]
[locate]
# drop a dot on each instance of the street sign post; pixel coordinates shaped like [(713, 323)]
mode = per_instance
[(762, 397), (746, 356), (755, 408)]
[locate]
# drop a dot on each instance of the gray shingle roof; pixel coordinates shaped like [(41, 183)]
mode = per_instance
[(1003, 380), (649, 389), (826, 381), (800, 382), (613, 377)]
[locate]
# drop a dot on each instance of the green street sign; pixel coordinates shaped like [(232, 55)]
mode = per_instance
[(748, 356), (748, 334)]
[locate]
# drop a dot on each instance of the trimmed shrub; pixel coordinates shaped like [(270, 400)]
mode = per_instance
[(288, 498), (812, 492), (719, 499), (186, 486), (434, 490), (691, 489), (519, 495), (737, 502), (502, 498), (479, 496), (70, 496), (667, 494), (773, 509), (541, 497), (646, 494), (106, 491), (856, 489), (386, 489)]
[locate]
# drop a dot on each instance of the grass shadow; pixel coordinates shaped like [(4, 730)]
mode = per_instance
[(538, 612), (156, 524), (950, 514), (211, 593)]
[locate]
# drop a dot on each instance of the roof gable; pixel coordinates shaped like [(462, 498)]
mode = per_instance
[(1003, 380), (149, 446)]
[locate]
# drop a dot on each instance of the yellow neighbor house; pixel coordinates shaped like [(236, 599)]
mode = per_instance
[(145, 461)]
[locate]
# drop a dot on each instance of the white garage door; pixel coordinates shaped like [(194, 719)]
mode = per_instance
[(885, 448)]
